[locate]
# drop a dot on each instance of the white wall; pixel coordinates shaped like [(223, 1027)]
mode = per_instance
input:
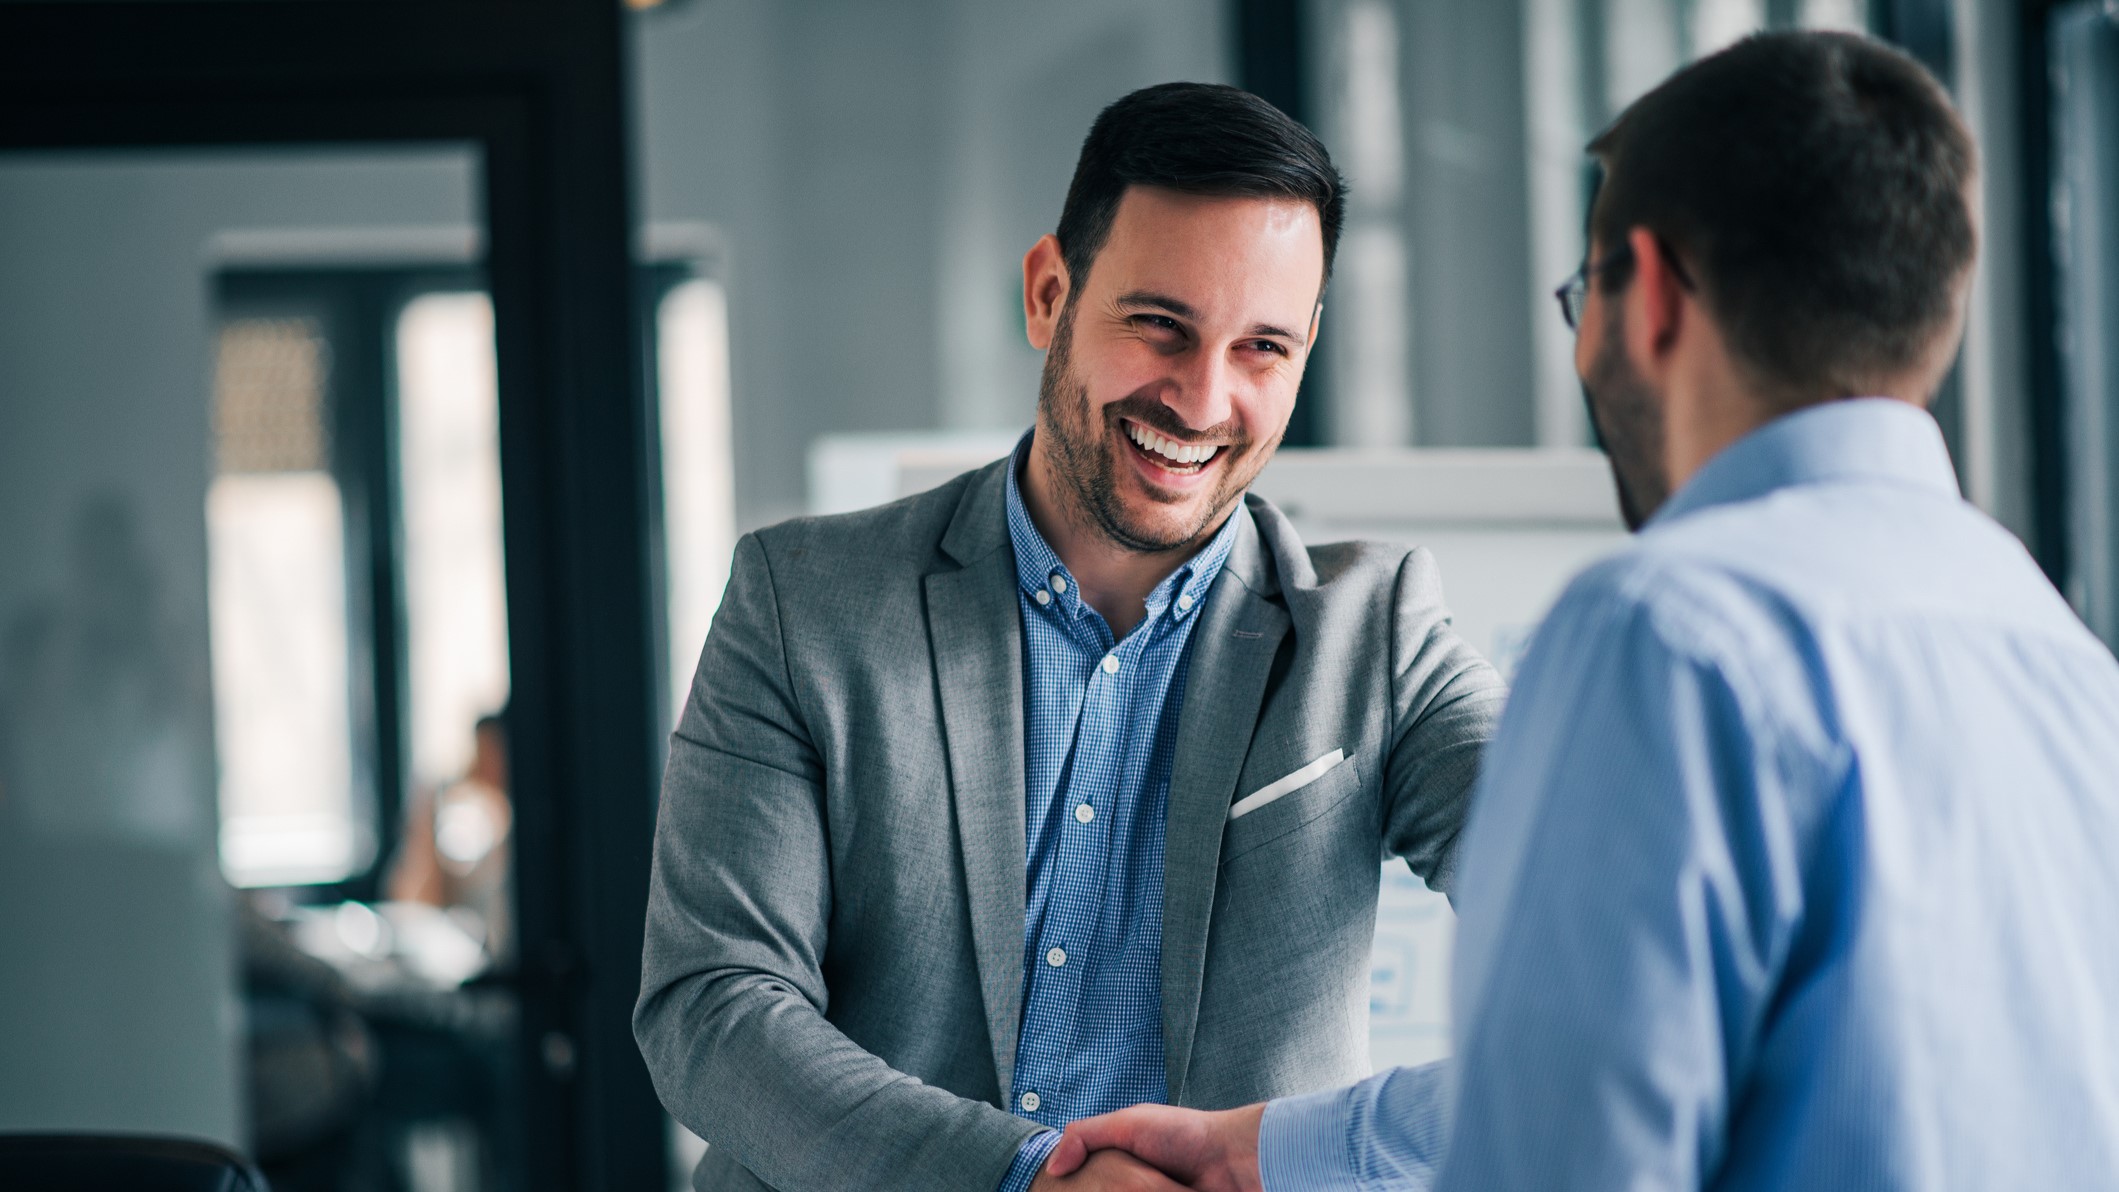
[(118, 997)]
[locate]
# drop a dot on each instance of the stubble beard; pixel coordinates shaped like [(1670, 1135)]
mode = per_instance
[(1628, 421), (1083, 454)]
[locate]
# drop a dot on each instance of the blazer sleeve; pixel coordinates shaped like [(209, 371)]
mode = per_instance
[(732, 1001), (1446, 705)]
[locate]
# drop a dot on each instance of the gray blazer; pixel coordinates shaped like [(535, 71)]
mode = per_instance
[(834, 966)]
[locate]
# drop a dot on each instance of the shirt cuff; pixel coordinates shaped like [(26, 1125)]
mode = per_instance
[(1389, 1131), (1302, 1143), (1028, 1159)]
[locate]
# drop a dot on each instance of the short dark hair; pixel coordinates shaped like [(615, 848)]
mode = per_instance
[(1198, 139), (1817, 183)]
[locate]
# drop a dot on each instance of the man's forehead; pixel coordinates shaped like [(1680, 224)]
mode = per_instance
[(1163, 207), (1212, 251)]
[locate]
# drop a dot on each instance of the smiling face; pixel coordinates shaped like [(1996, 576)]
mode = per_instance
[(1171, 373)]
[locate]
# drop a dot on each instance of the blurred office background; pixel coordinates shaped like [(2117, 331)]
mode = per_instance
[(259, 879)]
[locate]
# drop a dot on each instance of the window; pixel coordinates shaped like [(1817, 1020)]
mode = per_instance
[(1460, 128), (698, 495), (357, 569), (456, 616), (277, 602)]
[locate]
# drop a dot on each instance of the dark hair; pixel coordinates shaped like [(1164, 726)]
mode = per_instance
[(1199, 139), (1816, 183)]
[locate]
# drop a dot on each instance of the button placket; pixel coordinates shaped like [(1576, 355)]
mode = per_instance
[(1104, 690)]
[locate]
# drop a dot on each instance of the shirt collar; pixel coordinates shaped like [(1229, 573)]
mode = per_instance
[(1038, 567), (1877, 439)]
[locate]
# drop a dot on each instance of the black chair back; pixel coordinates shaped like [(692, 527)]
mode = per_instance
[(121, 1163)]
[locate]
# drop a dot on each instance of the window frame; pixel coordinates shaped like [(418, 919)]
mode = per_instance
[(357, 308)]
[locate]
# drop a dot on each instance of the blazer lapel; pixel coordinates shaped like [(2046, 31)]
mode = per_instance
[(1232, 654), (976, 633)]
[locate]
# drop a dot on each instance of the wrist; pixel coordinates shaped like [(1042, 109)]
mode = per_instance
[(1241, 1162)]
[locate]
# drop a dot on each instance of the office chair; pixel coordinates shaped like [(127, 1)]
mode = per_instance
[(121, 1163)]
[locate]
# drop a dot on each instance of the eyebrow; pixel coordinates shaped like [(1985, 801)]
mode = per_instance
[(1135, 299)]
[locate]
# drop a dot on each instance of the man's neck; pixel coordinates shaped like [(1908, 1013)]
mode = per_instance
[(1114, 580), (1699, 430)]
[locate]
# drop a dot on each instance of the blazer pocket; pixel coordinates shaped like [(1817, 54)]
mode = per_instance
[(1287, 785), (1283, 811)]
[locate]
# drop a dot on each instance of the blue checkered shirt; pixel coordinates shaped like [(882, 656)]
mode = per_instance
[(1100, 730)]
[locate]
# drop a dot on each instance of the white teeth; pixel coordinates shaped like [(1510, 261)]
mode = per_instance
[(1177, 453)]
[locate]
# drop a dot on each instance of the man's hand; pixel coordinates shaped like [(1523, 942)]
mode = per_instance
[(1211, 1152), (1112, 1170)]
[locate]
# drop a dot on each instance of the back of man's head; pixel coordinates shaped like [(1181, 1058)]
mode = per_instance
[(1819, 184), (1199, 139)]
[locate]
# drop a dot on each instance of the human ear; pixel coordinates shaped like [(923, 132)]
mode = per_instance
[(1657, 304), (1045, 288)]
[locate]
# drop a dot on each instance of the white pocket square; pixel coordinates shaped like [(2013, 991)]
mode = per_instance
[(1286, 786)]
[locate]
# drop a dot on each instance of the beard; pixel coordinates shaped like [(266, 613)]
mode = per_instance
[(1628, 421), (1083, 444)]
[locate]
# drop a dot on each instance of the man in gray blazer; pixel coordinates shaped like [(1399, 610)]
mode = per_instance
[(1062, 787)]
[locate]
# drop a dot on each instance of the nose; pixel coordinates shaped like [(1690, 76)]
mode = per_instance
[(1200, 389)]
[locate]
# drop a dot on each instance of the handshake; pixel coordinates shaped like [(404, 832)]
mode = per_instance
[(1158, 1148)]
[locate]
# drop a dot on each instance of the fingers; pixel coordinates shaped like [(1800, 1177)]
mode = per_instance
[(1115, 1171), (1146, 1131), (1125, 1130), (1150, 1180), (1111, 1130), (1070, 1154)]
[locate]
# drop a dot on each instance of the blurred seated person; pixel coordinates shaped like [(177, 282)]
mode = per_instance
[(455, 852)]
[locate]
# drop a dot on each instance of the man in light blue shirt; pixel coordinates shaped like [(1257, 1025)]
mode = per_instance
[(1796, 861)]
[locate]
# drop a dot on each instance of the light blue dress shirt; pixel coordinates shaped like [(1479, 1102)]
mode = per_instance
[(1099, 735), (1795, 864)]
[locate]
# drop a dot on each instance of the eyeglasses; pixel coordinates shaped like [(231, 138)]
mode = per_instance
[(1574, 292)]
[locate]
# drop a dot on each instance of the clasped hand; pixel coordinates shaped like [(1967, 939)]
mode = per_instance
[(1158, 1148)]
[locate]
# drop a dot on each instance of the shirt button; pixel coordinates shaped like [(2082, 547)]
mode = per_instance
[(1110, 664), (1059, 584), (1041, 596), (1184, 603), (1083, 813), (1056, 957), (1030, 1102)]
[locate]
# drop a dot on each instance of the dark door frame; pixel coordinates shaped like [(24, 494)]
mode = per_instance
[(537, 87), (1271, 40), (2052, 524)]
